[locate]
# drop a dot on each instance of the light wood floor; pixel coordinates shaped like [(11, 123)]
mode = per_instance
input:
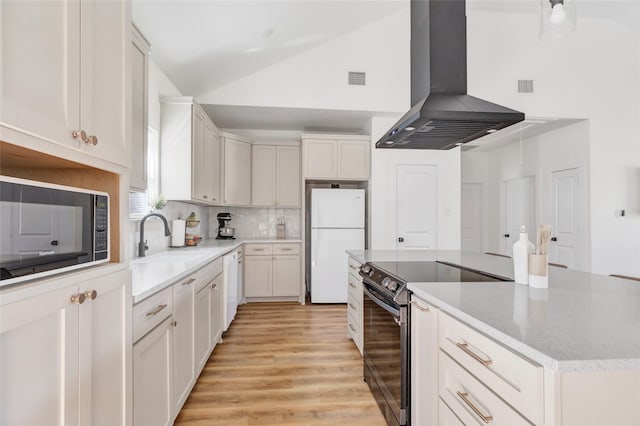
[(283, 364)]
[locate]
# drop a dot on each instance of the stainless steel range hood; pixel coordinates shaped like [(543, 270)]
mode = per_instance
[(443, 114)]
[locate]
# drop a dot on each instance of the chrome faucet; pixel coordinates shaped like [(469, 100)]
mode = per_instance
[(142, 245)]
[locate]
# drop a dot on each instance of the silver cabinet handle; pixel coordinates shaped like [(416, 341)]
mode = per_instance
[(420, 308), (189, 281), (286, 249), (93, 140), (465, 347), (214, 285), (352, 328), (258, 249), (351, 285), (464, 396), (353, 267), (157, 310), (91, 295), (352, 307)]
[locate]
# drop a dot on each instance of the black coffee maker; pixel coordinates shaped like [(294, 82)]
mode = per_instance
[(224, 231)]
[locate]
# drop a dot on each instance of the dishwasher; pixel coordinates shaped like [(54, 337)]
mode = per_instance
[(230, 287)]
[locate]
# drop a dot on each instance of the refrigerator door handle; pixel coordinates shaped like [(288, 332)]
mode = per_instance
[(314, 263)]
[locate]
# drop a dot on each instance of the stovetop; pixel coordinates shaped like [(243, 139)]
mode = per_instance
[(431, 272), (391, 278)]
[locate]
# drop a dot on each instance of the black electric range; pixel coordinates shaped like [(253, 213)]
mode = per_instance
[(386, 327)]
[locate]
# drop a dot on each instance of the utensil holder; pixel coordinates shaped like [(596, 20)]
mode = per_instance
[(538, 270), (281, 232)]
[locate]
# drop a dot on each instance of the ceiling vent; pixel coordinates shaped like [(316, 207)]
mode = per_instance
[(525, 86), (357, 78)]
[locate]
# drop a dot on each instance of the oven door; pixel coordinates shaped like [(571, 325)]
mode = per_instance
[(385, 354)]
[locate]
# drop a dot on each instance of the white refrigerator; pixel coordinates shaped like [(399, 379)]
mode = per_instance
[(337, 225)]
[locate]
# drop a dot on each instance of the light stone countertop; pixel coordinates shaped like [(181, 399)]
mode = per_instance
[(581, 322), (153, 273)]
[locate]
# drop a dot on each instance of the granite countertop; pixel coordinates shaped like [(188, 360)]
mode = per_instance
[(155, 272), (581, 322)]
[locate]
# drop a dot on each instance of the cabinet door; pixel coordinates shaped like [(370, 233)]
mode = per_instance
[(105, 342), (237, 172), (288, 177), (39, 353), (424, 363), (40, 69), (212, 155), (201, 169), (202, 324), (263, 175), (183, 365), (286, 276), (320, 158), (258, 276), (217, 309), (353, 159), (104, 77), (139, 110), (152, 380)]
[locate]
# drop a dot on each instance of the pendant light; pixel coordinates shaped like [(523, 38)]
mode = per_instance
[(557, 18)]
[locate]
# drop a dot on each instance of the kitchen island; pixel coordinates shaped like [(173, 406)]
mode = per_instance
[(581, 338)]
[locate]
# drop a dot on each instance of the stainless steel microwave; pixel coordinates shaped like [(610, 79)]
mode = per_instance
[(46, 229)]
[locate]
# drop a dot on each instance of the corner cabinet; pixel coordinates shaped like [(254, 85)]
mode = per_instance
[(139, 109), (275, 177), (336, 157), (237, 171), (66, 80), (66, 355), (190, 152)]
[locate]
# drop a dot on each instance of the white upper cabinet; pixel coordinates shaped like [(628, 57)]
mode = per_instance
[(65, 75), (336, 157), (264, 175), (275, 176), (237, 171), (139, 110), (190, 152)]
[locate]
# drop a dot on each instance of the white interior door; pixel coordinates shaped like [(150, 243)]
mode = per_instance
[(416, 206), (566, 218), (519, 209), (471, 216)]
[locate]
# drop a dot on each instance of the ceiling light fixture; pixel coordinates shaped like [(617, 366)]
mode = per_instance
[(409, 129), (557, 18)]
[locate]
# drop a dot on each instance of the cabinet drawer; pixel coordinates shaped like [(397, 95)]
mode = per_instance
[(513, 378), (446, 417), (354, 268), (355, 288), (353, 307), (470, 400), (258, 249), (353, 327), (208, 272), (151, 312), (286, 248)]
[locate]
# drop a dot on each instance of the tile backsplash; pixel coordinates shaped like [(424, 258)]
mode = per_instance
[(252, 222), (249, 222)]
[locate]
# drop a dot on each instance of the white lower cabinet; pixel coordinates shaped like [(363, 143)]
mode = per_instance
[(355, 308), (175, 331), (272, 270), (216, 304), (152, 381), (424, 364), (65, 355), (183, 340)]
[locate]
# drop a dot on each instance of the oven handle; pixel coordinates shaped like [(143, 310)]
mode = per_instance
[(380, 303)]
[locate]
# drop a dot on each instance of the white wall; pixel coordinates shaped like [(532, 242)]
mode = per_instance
[(383, 189), (593, 74), (159, 85), (536, 156), (317, 78)]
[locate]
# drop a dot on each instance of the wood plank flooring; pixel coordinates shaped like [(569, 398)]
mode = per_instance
[(283, 364)]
